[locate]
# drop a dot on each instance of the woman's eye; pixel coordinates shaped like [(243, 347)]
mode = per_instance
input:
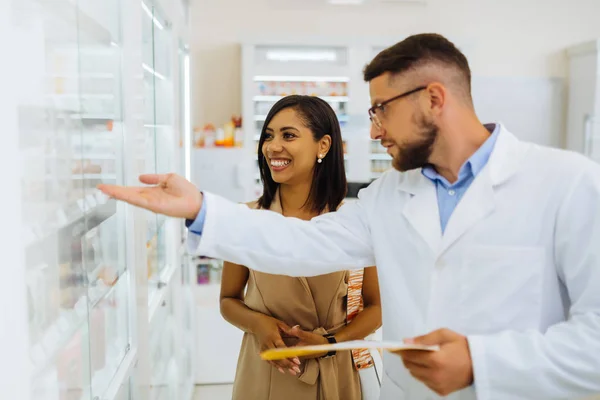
[(268, 136), (288, 136)]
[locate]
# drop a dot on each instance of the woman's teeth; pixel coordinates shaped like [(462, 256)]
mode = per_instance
[(279, 163)]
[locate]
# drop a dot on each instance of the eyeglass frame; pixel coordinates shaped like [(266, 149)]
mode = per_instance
[(373, 116)]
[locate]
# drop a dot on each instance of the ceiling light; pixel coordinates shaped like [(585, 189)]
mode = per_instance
[(283, 55), (343, 2)]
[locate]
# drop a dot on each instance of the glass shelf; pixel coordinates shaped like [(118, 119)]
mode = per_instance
[(80, 281), (159, 128), (109, 334), (70, 139)]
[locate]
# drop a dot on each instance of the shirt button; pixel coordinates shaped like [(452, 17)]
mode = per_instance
[(451, 192)]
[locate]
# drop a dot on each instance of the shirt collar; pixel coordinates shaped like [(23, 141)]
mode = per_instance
[(474, 164)]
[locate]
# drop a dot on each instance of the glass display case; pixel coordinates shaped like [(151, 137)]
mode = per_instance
[(187, 350), (166, 85), (158, 127), (81, 275), (70, 140)]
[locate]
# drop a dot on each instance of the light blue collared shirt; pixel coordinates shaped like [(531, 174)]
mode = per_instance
[(449, 194), (197, 225)]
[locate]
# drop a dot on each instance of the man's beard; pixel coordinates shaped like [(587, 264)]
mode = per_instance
[(416, 154)]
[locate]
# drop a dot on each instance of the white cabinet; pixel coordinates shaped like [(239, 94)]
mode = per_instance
[(583, 127), (328, 68), (98, 287)]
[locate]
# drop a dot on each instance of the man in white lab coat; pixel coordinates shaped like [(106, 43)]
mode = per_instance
[(485, 245)]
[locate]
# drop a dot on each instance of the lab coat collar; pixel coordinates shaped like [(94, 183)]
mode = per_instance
[(422, 210), (503, 163)]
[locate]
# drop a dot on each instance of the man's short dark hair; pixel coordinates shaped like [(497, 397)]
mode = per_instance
[(416, 51)]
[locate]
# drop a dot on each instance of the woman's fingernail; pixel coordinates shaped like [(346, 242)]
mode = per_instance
[(409, 341), (281, 370), (297, 361), (292, 372), (297, 369)]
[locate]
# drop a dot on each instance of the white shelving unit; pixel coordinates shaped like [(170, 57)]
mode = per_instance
[(268, 78), (583, 124), (273, 69), (100, 100)]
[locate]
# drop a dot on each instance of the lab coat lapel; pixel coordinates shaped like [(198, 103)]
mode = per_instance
[(422, 210), (478, 202)]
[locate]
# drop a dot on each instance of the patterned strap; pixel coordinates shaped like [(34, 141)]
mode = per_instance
[(361, 357)]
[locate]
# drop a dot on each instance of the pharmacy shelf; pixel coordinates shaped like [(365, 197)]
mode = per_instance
[(261, 118), (380, 156), (100, 291), (78, 176), (97, 135), (57, 336), (119, 376), (76, 76), (88, 213), (280, 78), (77, 96), (100, 117), (155, 228), (94, 156), (329, 99), (158, 291)]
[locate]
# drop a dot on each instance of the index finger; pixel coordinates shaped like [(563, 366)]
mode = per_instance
[(153, 179), (129, 195)]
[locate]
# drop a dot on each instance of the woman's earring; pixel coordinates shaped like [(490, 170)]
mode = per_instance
[(320, 159)]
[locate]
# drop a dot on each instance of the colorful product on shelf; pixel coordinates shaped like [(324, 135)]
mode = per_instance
[(208, 271), (239, 133), (43, 299), (97, 339), (203, 276), (380, 166), (152, 256), (310, 88), (231, 135)]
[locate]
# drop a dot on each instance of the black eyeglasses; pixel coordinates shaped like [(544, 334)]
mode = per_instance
[(380, 108)]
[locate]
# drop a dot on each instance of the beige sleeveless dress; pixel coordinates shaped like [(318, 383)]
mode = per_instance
[(317, 304)]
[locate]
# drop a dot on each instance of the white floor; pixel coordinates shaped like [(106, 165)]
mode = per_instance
[(213, 392)]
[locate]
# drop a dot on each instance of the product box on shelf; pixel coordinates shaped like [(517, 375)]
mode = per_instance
[(230, 135), (208, 271), (43, 298)]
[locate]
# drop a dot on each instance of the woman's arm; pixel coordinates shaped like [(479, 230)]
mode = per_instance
[(233, 309), (266, 328), (369, 319)]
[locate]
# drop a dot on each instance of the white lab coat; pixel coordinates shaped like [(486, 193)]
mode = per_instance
[(517, 269)]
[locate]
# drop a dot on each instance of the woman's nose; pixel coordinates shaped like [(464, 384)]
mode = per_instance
[(274, 146)]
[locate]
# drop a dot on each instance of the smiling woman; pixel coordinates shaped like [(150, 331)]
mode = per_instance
[(302, 168), (301, 142)]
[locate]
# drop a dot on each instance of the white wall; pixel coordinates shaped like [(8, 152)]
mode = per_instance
[(516, 38)]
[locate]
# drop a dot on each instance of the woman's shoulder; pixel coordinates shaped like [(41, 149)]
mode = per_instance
[(253, 204)]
